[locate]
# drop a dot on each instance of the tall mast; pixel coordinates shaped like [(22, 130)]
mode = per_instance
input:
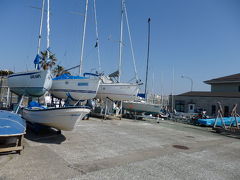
[(120, 42), (146, 81), (48, 27), (97, 43), (173, 79), (83, 38), (40, 29)]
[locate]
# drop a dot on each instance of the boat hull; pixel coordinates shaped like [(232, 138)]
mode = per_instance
[(32, 83), (118, 91), (60, 118), (75, 89), (11, 124), (142, 107)]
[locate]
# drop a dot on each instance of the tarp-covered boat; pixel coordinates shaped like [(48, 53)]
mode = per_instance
[(227, 121), (11, 124), (74, 87)]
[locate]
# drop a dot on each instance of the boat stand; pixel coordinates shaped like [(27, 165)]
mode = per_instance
[(11, 143), (19, 104), (233, 128)]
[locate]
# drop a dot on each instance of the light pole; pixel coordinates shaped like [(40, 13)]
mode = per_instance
[(186, 77)]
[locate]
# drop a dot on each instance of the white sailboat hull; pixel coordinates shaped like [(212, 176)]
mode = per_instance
[(142, 107), (118, 91), (60, 118), (31, 83), (75, 89)]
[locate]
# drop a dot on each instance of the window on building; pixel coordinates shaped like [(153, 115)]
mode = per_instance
[(180, 106), (213, 109), (191, 107)]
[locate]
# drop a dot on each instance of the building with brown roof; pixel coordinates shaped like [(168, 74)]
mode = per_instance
[(225, 90)]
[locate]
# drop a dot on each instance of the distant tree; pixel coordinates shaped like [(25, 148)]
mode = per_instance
[(5, 72)]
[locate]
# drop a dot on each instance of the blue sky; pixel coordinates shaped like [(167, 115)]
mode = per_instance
[(198, 38)]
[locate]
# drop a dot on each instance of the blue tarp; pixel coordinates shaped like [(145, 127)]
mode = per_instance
[(210, 122), (11, 124), (35, 104), (67, 76), (37, 61), (142, 95)]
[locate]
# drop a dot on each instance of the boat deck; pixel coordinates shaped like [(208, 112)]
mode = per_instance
[(126, 149)]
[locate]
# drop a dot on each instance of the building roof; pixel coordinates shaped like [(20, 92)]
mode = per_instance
[(226, 79), (211, 94)]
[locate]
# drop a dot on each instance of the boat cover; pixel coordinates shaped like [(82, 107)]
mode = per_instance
[(34, 104), (11, 124), (67, 76), (227, 121)]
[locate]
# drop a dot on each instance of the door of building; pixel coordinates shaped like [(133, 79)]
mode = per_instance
[(191, 108)]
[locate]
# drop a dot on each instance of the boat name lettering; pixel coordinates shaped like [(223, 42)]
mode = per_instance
[(35, 76), (82, 84)]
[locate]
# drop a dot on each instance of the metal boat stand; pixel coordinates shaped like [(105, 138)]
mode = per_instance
[(233, 128)]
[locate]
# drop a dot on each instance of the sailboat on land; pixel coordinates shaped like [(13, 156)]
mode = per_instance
[(143, 106), (32, 83), (116, 90), (76, 88)]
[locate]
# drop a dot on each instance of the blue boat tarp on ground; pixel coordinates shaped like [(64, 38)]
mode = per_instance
[(11, 124), (67, 76), (227, 121)]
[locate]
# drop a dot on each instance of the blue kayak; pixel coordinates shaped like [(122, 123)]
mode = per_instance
[(227, 121), (11, 124)]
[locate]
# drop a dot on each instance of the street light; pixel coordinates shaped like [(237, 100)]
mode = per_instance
[(186, 77)]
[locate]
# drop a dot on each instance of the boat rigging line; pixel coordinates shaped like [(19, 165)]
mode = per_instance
[(83, 38), (131, 44)]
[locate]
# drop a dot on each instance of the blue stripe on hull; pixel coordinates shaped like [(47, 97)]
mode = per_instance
[(23, 74), (72, 90)]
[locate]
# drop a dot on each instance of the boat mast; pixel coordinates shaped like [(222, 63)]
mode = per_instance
[(97, 42), (83, 38), (120, 42), (173, 76), (149, 20), (40, 31), (48, 28)]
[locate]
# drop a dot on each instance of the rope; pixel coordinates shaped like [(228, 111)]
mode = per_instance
[(130, 39), (83, 39)]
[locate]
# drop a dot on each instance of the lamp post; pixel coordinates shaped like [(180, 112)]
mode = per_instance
[(186, 77)]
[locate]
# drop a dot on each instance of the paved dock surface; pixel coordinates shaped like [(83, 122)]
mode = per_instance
[(126, 149)]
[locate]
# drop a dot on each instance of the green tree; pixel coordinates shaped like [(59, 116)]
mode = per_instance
[(59, 70), (47, 63), (5, 72)]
